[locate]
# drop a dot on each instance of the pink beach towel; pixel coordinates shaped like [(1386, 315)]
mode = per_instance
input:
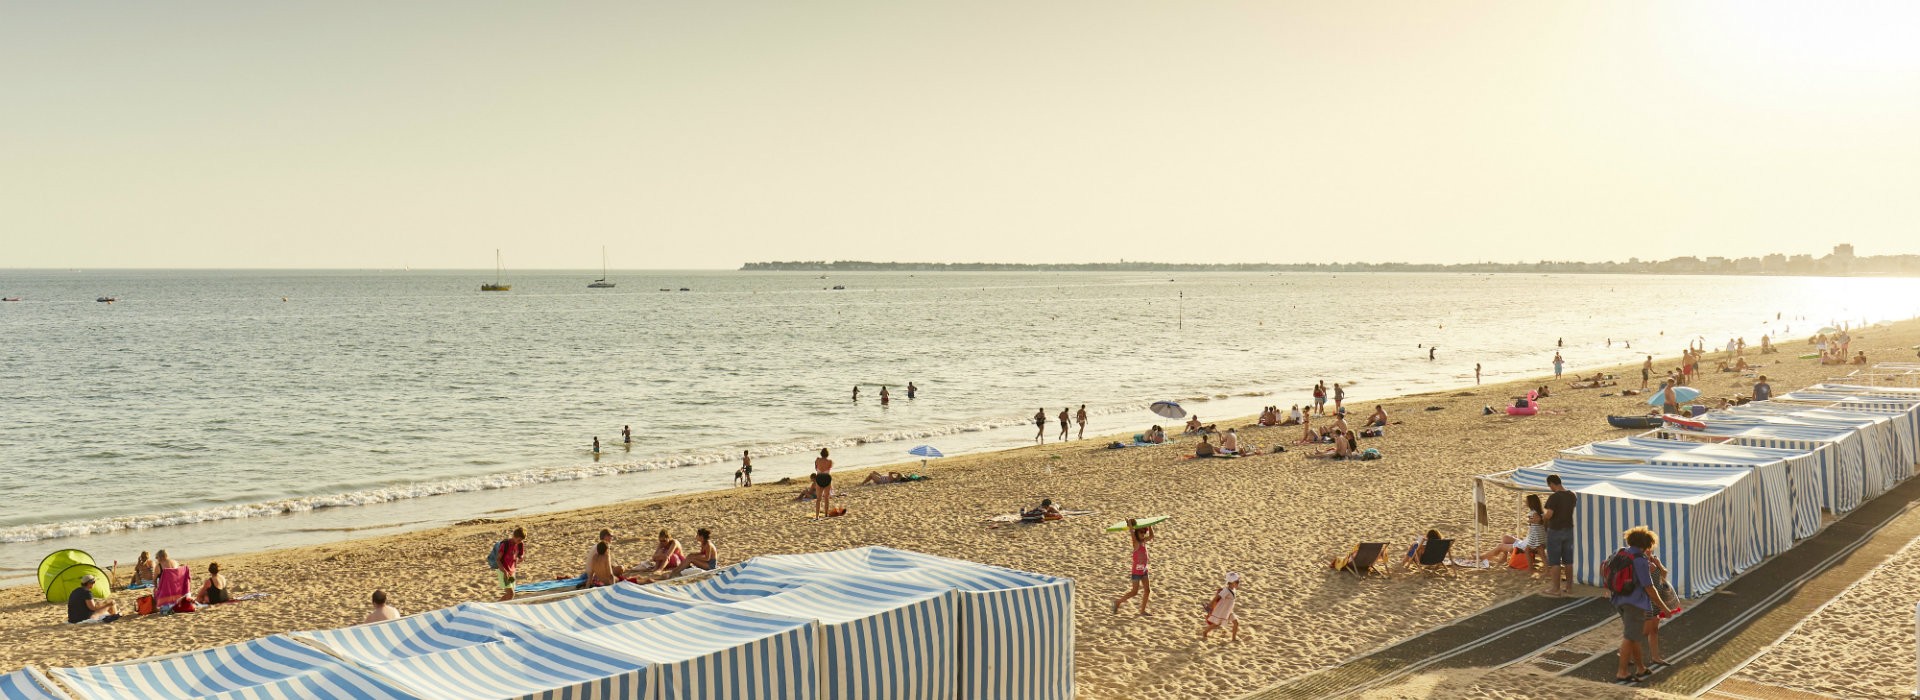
[(172, 585)]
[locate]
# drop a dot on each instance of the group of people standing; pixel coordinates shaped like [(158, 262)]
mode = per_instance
[(1066, 421)]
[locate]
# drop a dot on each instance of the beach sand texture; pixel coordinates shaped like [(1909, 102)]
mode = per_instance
[(1861, 645), (1275, 518)]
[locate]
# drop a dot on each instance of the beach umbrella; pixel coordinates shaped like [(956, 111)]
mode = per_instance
[(1683, 393), (925, 451), (1167, 409)]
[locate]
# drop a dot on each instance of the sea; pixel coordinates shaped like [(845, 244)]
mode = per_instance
[(215, 412)]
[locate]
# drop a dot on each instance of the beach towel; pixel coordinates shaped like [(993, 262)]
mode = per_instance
[(554, 585), (171, 586), (139, 586)]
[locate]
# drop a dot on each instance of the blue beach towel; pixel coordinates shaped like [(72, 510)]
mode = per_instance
[(554, 585)]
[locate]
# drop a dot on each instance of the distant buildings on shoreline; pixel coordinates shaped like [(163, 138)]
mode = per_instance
[(1841, 262)]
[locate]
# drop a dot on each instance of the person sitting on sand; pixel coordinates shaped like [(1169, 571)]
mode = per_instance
[(1193, 424), (1308, 435), (1379, 417), (600, 568), (1861, 358), (1741, 365), (163, 562), (143, 570), (667, 555), (1294, 416), (706, 558), (1155, 435), (216, 589), (1230, 442), (877, 478), (1204, 449), (603, 546), (381, 611), (1343, 445), (1269, 416), (83, 607), (1418, 548)]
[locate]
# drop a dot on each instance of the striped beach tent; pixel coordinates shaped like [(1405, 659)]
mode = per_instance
[(1015, 631), (1802, 472), (881, 638), (719, 651), (28, 684), (1770, 499), (269, 668), (522, 664), (1688, 519), (594, 607), (463, 625), (1896, 420), (1842, 465), (1741, 499), (1871, 434), (1906, 411)]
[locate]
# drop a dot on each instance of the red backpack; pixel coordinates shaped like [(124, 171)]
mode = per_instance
[(1617, 574)]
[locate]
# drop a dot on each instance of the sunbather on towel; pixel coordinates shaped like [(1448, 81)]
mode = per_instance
[(1044, 512), (706, 558), (215, 590), (1156, 435), (143, 571), (1308, 435), (600, 568), (877, 478), (1204, 449), (1230, 442)]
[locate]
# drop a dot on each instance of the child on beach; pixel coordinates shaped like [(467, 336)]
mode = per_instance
[(1140, 536), (505, 560), (1220, 609)]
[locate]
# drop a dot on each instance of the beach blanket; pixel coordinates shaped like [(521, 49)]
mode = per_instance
[(139, 586), (554, 585)]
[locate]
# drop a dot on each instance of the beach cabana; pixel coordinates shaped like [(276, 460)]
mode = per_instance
[(1904, 410), (1802, 471), (1767, 516), (467, 651), (1690, 521), (1873, 434), (1733, 548), (1015, 628), (28, 684), (881, 638), (275, 667), (1841, 470), (594, 607), (717, 651)]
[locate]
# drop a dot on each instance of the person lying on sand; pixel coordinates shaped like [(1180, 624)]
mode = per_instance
[(1043, 512), (877, 478)]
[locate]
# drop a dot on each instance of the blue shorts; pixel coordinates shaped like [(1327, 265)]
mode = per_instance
[(1560, 547)]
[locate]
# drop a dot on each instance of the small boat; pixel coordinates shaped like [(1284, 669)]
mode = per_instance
[(601, 283), (1634, 422), (497, 286), (107, 300)]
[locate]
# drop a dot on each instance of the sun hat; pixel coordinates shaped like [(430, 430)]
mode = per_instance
[(1233, 576)]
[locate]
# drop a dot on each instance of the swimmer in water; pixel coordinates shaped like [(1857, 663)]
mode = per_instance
[(911, 390), (596, 444), (884, 396)]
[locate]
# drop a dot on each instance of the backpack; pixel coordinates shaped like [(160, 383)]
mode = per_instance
[(1617, 574), (493, 555)]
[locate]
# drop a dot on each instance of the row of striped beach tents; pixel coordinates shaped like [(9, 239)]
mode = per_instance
[(1750, 483), (871, 622)]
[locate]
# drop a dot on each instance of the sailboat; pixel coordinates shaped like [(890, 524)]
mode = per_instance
[(602, 283), (496, 286)]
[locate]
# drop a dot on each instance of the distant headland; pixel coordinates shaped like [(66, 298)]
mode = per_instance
[(1841, 262)]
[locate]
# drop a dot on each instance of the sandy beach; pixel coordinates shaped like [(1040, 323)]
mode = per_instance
[(1276, 518)]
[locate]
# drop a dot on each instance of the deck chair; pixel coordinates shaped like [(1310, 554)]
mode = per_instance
[(1362, 560), (172, 585), (1434, 557)]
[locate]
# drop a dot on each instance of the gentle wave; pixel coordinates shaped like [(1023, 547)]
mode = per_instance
[(489, 482)]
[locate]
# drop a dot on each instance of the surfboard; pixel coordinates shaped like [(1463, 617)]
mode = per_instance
[(1142, 522)]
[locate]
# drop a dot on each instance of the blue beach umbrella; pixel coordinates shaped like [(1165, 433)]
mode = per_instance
[(925, 451), (1683, 393), (1167, 409)]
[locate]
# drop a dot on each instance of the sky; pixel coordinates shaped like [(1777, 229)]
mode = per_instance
[(342, 134)]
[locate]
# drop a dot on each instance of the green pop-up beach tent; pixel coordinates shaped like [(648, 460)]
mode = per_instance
[(61, 571)]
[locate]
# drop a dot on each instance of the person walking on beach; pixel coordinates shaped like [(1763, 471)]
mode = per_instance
[(1220, 609), (1040, 425), (505, 560), (823, 484), (1140, 536), (911, 390), (1320, 397), (1339, 398), (1646, 372), (1558, 365), (1629, 582), (1476, 374), (885, 397), (1559, 512), (1081, 417), (381, 611), (1065, 421), (744, 477)]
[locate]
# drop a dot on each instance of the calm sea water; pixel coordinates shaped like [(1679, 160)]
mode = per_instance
[(212, 412)]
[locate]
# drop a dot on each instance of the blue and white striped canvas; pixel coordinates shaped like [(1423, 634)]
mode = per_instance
[(1015, 627), (28, 684), (462, 625), (1905, 413), (1772, 493), (1689, 521), (597, 607), (719, 651), (269, 667), (1877, 436), (882, 638), (1746, 505), (522, 664), (1842, 470)]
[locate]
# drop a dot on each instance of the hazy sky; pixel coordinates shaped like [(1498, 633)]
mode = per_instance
[(705, 134)]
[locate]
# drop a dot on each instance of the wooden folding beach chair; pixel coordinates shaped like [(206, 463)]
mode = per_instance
[(1433, 559), (1363, 560)]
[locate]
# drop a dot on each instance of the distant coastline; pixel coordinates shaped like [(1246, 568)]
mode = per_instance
[(1841, 262)]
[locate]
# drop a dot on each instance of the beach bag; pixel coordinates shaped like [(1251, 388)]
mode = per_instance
[(1519, 560), (1370, 454), (493, 555), (1617, 574), (145, 605)]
